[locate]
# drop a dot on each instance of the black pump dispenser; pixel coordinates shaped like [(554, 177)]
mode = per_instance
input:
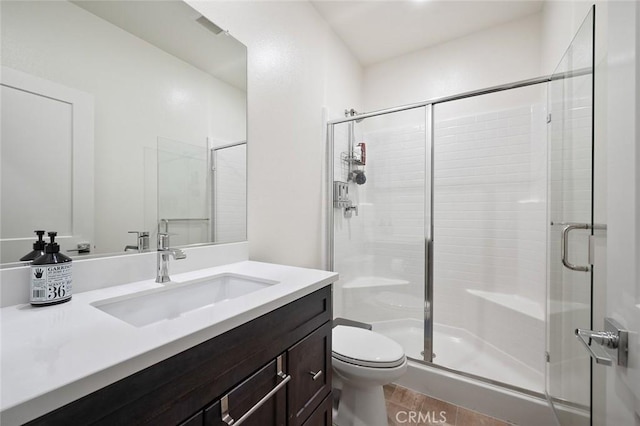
[(38, 248), (51, 276)]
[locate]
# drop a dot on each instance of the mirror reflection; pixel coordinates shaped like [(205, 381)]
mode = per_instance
[(119, 119)]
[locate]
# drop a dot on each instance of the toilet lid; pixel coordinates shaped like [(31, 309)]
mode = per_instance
[(366, 348)]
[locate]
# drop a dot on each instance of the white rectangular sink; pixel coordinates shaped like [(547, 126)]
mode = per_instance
[(175, 299)]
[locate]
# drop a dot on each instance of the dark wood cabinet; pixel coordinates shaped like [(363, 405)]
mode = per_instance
[(195, 420), (253, 392), (310, 369), (322, 416), (229, 374)]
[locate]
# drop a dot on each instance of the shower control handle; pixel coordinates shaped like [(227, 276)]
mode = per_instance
[(349, 209)]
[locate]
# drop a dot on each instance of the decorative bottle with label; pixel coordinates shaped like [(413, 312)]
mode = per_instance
[(51, 276)]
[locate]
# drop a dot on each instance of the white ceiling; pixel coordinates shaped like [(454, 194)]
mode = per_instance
[(377, 30)]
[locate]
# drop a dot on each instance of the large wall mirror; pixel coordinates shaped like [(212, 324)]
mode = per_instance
[(119, 117)]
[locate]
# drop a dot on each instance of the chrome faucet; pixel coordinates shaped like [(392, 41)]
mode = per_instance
[(143, 242), (164, 252)]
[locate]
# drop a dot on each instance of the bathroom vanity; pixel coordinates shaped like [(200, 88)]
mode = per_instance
[(265, 355)]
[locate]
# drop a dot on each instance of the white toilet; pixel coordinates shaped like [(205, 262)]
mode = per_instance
[(364, 361)]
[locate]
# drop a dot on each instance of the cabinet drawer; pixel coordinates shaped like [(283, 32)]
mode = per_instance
[(323, 414), (253, 392), (195, 420), (310, 370)]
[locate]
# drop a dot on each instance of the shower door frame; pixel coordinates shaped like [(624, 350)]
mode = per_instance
[(429, 227)]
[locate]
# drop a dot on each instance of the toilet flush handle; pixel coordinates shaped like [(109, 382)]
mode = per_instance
[(315, 375)]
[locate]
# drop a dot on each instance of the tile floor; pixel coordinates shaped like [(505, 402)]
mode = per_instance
[(408, 408)]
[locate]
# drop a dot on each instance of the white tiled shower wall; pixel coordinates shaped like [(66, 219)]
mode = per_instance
[(230, 194), (489, 220), (490, 228), (380, 253)]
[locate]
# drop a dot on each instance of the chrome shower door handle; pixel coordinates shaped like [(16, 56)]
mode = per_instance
[(564, 248), (600, 337), (611, 345)]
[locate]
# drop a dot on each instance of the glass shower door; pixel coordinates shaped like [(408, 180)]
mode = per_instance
[(489, 236), (379, 207), (571, 153), (183, 192)]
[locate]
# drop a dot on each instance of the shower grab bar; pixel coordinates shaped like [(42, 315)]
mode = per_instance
[(564, 243)]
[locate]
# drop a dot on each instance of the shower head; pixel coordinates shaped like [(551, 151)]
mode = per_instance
[(358, 177)]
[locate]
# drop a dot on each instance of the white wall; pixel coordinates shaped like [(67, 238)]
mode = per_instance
[(503, 54), (560, 22), (140, 93), (622, 385), (296, 66)]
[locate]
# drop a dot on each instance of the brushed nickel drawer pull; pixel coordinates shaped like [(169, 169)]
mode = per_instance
[(224, 402), (315, 375)]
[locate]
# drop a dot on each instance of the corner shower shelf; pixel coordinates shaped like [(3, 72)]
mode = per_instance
[(521, 304), (364, 282), (351, 159)]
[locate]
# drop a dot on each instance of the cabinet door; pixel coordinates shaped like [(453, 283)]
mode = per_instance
[(323, 414), (310, 369), (250, 394)]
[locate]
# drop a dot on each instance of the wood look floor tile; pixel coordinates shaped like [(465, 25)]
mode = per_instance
[(471, 418), (440, 412), (393, 418), (406, 398), (388, 391), (406, 407)]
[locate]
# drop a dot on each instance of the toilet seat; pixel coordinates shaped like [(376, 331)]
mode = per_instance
[(365, 348)]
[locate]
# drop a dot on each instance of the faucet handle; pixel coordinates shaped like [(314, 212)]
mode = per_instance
[(143, 240), (139, 233), (163, 240)]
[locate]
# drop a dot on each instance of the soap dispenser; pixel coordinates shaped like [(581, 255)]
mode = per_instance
[(51, 276), (38, 249)]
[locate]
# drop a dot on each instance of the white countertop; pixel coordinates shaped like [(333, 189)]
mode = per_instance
[(54, 355)]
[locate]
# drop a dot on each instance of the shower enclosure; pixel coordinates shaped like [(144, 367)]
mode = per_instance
[(196, 193), (447, 246)]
